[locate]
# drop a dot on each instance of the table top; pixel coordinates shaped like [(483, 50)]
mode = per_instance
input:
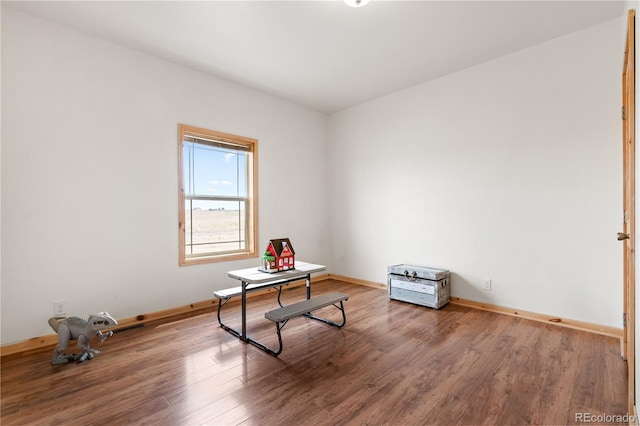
[(255, 276)]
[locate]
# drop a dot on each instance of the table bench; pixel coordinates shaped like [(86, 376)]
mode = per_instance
[(283, 314), (253, 279)]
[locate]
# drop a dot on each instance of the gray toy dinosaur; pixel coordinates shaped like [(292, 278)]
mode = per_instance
[(74, 328)]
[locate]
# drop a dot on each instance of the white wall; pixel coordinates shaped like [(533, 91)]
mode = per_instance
[(510, 170), (89, 175)]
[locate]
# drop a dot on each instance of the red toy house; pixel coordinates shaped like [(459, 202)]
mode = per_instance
[(278, 256)]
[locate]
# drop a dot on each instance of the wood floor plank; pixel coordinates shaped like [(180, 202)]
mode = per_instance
[(393, 363)]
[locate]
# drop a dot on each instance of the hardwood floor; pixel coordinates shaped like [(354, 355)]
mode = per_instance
[(393, 363)]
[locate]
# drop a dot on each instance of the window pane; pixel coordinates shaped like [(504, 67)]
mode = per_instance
[(214, 226), (217, 219), (187, 224), (214, 171)]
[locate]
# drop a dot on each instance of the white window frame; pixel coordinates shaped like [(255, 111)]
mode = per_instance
[(227, 141)]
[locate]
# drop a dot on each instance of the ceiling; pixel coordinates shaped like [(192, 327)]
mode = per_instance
[(324, 54)]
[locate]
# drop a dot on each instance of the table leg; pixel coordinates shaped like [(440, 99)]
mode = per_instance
[(244, 311), (308, 280)]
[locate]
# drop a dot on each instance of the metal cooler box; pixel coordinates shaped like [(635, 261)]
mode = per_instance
[(419, 285)]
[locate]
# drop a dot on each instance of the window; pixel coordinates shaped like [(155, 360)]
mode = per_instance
[(217, 194)]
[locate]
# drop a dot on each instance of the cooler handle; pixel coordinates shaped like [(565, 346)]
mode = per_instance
[(412, 277)]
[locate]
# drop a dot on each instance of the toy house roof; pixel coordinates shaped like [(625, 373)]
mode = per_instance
[(279, 245)]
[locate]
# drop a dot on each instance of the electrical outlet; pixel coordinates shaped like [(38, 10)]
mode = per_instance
[(59, 308), (486, 284)]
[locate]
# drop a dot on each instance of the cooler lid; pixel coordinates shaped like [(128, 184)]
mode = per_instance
[(420, 272)]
